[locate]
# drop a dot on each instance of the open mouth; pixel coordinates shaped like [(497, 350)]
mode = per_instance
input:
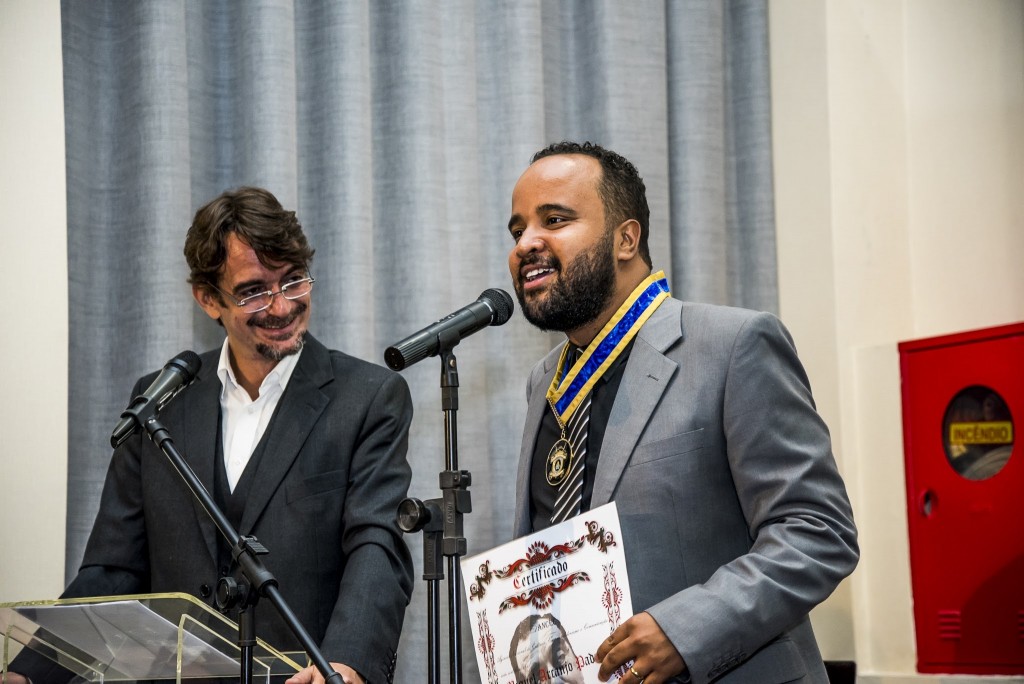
[(535, 275), (276, 325), (276, 328)]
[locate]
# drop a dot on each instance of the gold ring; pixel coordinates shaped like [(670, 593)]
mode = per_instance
[(635, 673)]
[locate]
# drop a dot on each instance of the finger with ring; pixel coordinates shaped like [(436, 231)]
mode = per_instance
[(635, 673)]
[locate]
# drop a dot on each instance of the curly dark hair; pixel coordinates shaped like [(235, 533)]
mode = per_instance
[(621, 189), (255, 216)]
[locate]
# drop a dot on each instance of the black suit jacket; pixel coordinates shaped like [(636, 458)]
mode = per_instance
[(323, 501)]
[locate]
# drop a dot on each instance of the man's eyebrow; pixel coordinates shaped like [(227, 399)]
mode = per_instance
[(543, 209), (560, 208), (255, 282), (246, 284)]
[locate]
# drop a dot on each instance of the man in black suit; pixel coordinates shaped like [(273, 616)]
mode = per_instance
[(301, 446)]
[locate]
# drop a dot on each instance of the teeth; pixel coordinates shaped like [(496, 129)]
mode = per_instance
[(536, 272)]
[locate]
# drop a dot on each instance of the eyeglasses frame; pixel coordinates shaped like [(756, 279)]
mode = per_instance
[(283, 291)]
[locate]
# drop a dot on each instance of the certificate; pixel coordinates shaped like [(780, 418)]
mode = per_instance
[(541, 605)]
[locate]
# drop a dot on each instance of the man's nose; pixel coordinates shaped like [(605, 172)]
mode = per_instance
[(278, 304), (529, 241)]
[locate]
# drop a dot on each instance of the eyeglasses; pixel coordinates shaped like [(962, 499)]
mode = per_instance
[(292, 287)]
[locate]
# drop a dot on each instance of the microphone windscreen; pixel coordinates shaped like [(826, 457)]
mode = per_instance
[(188, 362), (501, 303)]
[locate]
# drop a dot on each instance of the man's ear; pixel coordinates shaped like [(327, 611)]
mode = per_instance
[(208, 300), (627, 240)]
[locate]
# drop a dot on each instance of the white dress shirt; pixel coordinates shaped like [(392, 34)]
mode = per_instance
[(244, 420)]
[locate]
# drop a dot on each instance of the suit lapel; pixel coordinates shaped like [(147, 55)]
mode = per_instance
[(644, 381), (534, 414), (198, 441), (298, 411)]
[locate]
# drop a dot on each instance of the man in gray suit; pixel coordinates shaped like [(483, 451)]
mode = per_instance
[(301, 446), (696, 420)]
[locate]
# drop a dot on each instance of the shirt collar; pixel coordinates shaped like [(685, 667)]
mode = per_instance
[(278, 376)]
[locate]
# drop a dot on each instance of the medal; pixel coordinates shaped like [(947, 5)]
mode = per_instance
[(559, 461), (560, 457)]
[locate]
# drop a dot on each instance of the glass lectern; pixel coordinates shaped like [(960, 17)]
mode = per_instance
[(142, 637)]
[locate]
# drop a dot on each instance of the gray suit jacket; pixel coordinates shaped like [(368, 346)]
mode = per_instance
[(323, 501), (735, 521)]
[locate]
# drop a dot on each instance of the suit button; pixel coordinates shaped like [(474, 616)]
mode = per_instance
[(205, 591)]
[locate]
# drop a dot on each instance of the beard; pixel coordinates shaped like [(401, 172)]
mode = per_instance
[(276, 353), (579, 294)]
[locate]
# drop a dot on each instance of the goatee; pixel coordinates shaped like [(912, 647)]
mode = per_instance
[(278, 353), (271, 322)]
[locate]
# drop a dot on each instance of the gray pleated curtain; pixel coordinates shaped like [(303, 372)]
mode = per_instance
[(396, 130)]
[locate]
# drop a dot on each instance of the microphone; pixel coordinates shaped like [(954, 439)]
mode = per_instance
[(494, 307), (178, 374)]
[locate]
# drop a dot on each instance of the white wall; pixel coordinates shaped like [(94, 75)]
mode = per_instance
[(34, 343), (899, 150), (899, 144)]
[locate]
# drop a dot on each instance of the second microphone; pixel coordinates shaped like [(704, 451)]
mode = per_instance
[(493, 307)]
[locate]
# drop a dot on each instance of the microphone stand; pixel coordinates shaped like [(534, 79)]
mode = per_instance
[(441, 522), (256, 580)]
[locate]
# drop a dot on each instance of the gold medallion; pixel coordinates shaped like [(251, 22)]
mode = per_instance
[(559, 461)]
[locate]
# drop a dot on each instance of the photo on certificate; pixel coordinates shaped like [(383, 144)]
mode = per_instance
[(540, 605)]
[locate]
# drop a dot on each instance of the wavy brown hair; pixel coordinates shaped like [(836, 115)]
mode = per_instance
[(258, 219)]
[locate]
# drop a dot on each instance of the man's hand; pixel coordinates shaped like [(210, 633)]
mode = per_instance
[(15, 678), (641, 640), (311, 675)]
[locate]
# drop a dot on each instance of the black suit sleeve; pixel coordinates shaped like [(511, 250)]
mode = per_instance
[(377, 580)]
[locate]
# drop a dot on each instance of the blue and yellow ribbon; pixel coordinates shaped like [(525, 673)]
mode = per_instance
[(566, 394)]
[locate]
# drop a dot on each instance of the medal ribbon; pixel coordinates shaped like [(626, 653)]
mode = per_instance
[(566, 394)]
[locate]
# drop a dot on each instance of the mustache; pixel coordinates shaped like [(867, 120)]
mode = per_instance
[(271, 321)]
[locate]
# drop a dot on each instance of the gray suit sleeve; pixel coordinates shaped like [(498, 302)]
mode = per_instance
[(802, 536)]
